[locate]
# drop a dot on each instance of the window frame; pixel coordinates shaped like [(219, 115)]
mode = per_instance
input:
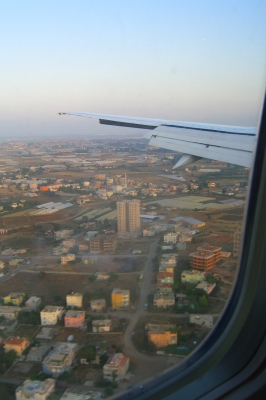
[(230, 362)]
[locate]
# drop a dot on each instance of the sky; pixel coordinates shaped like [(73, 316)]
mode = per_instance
[(183, 60)]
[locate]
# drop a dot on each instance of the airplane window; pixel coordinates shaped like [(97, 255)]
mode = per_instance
[(122, 232)]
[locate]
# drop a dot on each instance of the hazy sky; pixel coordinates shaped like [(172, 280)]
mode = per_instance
[(190, 60)]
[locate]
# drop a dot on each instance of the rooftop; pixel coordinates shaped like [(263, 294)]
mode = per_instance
[(160, 329), (30, 388), (74, 314), (52, 309)]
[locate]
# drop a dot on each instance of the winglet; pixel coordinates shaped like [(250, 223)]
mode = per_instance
[(186, 159)]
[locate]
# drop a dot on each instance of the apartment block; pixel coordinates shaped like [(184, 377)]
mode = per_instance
[(60, 359), (163, 300), (74, 300), (74, 319), (98, 305), (51, 314), (120, 299), (162, 335), (35, 390), (128, 216), (202, 320), (214, 249), (193, 276), (164, 288), (116, 367), (103, 243), (203, 260), (170, 238), (17, 344), (15, 298)]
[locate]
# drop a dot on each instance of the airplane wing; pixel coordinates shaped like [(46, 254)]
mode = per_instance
[(230, 144)]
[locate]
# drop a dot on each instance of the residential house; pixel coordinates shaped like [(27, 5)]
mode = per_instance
[(63, 234), (60, 359), (17, 344), (202, 320), (84, 245), (37, 354), (51, 314), (9, 312), (59, 250), (192, 276), (7, 326), (74, 319), (15, 298), (120, 299), (162, 335), (116, 367), (170, 238), (164, 288), (74, 300), (163, 300), (33, 302), (165, 277), (67, 258), (35, 390), (101, 325), (98, 305)]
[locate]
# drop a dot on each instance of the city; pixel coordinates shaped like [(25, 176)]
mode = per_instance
[(110, 260)]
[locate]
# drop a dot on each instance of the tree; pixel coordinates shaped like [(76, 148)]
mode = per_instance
[(203, 301), (88, 353), (108, 391)]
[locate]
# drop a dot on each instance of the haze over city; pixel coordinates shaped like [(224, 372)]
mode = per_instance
[(182, 60)]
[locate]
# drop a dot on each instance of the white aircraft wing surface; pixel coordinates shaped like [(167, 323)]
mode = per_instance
[(230, 144)]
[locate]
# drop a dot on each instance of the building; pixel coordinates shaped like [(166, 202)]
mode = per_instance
[(103, 243), (15, 298), (170, 238), (214, 249), (100, 177), (74, 319), (78, 394), (203, 260), (69, 242), (162, 335), (116, 367), (191, 222), (102, 276), (207, 287), (33, 302), (74, 300), (67, 258), (60, 359), (17, 344), (84, 245), (63, 234), (148, 232), (193, 276), (35, 390), (9, 312), (163, 300), (202, 320), (37, 354), (165, 277), (128, 216), (51, 314), (101, 325), (98, 305), (164, 288), (237, 243), (7, 326), (120, 299)]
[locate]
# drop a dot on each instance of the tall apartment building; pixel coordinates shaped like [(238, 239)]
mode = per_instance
[(237, 241), (128, 215), (74, 300)]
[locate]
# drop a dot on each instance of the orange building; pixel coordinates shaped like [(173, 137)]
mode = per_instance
[(16, 344), (214, 249), (162, 335), (203, 260), (44, 188), (74, 319)]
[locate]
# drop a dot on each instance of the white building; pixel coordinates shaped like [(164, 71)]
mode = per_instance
[(116, 367), (69, 242), (59, 359), (202, 320), (35, 390), (33, 302), (74, 300), (63, 234), (170, 238), (59, 250), (51, 314)]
